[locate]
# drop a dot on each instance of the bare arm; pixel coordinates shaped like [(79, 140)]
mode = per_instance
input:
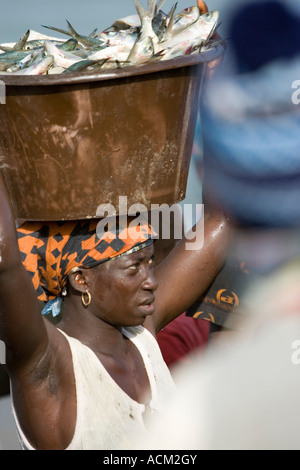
[(22, 327), (185, 274)]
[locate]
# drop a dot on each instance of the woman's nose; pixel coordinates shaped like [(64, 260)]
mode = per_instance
[(150, 282)]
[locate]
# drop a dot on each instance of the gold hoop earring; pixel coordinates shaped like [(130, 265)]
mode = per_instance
[(86, 302)]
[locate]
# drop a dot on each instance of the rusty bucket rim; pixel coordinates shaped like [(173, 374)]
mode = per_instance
[(83, 77)]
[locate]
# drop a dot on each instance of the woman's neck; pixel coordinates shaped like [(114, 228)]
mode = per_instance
[(91, 330)]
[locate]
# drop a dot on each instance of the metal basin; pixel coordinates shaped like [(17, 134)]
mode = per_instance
[(69, 143)]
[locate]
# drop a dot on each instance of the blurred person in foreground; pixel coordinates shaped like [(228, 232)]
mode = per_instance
[(243, 394)]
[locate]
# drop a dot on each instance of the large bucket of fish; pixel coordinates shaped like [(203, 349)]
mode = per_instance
[(71, 142)]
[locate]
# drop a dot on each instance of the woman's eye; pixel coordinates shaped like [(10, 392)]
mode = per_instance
[(134, 267)]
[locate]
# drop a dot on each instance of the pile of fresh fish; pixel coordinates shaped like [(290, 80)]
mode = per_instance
[(151, 35)]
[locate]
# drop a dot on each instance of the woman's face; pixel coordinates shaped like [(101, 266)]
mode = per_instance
[(123, 289)]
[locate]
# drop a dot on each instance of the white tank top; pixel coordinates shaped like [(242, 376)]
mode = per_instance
[(107, 418)]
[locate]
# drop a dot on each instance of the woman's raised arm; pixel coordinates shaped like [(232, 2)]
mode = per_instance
[(186, 273), (22, 327)]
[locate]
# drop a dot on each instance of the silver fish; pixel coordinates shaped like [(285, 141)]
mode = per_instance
[(33, 44), (201, 30), (27, 61), (164, 31), (20, 45), (142, 51), (69, 45), (10, 58), (161, 21), (150, 35), (116, 37), (146, 17), (186, 47), (82, 65), (186, 17), (118, 53), (86, 41), (132, 21), (61, 58), (39, 68)]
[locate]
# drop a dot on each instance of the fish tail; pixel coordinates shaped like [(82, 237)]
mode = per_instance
[(171, 19), (21, 43), (57, 29), (140, 9), (151, 8), (160, 4), (73, 32)]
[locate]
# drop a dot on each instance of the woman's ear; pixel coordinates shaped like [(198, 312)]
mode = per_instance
[(78, 280)]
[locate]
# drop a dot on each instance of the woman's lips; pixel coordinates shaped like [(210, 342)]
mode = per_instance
[(148, 306)]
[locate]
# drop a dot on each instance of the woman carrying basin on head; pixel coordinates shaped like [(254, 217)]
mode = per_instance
[(90, 381)]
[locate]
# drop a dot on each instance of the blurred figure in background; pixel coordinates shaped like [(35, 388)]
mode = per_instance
[(244, 394), (251, 134)]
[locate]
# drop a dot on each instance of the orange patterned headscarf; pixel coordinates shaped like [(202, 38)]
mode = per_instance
[(50, 251)]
